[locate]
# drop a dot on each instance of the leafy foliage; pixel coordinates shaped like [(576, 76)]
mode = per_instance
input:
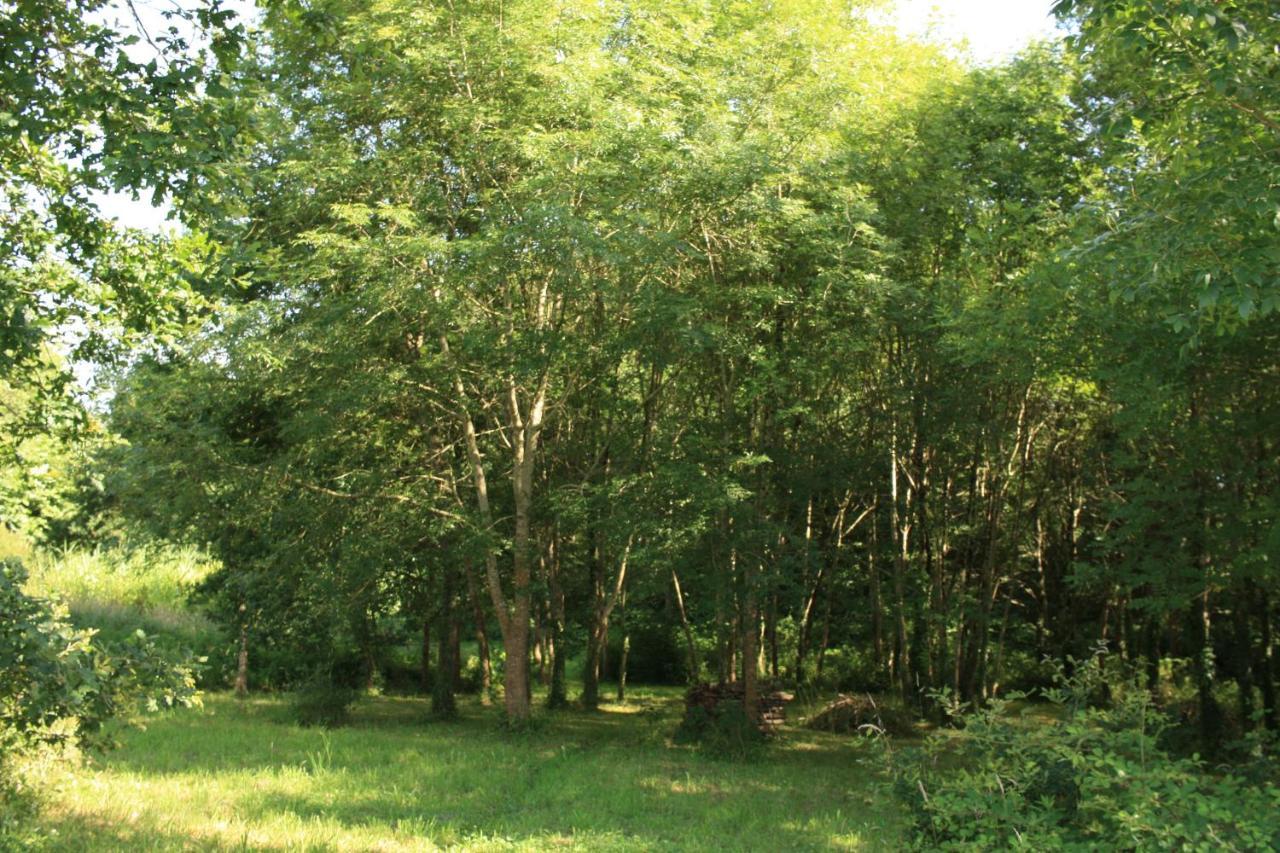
[(320, 702), (727, 732), (60, 687), (1090, 775), (54, 672)]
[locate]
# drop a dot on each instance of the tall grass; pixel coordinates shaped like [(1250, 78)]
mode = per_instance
[(121, 590), (146, 578), (13, 544)]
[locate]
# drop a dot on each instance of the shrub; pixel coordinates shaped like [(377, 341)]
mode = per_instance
[(1094, 779), (51, 671), (321, 702), (726, 732), (60, 687), (472, 675)]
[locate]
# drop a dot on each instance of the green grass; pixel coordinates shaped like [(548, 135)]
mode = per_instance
[(146, 577), (239, 775), (117, 591)]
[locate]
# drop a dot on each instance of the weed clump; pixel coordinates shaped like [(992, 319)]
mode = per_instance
[(725, 731), (320, 702)]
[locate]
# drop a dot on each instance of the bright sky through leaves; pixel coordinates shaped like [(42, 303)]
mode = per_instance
[(993, 29)]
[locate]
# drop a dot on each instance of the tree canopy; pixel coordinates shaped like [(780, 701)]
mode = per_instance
[(757, 333)]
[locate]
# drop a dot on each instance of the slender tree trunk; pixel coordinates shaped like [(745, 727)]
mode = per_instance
[(590, 698), (806, 626), (538, 646), (1240, 660), (368, 665), (902, 540), (482, 639), (750, 655), (877, 602), (598, 635), (997, 669), (1202, 665), (1153, 658), (626, 649), (557, 695), (516, 686), (826, 637), (771, 634), (691, 648), (443, 702), (1264, 663), (425, 673), (242, 659)]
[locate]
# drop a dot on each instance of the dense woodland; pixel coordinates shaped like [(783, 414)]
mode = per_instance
[(509, 344)]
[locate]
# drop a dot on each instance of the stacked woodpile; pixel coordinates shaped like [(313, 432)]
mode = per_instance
[(861, 714), (710, 698)]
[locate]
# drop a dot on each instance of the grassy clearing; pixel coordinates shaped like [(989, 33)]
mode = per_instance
[(239, 775)]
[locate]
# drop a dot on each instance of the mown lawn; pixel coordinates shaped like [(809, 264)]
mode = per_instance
[(239, 775)]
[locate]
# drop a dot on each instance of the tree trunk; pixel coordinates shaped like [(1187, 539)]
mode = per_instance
[(626, 650), (426, 655), (557, 695), (443, 703), (1202, 666), (826, 638), (750, 656), (877, 604), (1239, 661), (242, 660), (590, 698), (517, 688), (455, 651), (902, 540), (771, 633), (691, 648), (538, 646), (598, 632), (482, 639), (1264, 665), (522, 434)]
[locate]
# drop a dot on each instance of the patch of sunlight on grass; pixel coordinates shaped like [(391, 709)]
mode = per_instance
[(623, 708)]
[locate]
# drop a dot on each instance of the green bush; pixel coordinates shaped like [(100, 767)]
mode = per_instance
[(118, 591), (321, 702), (52, 671), (471, 676), (728, 732), (1093, 779), (61, 686)]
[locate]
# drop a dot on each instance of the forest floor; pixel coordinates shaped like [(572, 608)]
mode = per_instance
[(239, 775)]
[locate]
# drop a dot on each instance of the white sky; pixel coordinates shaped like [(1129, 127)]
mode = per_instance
[(992, 30)]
